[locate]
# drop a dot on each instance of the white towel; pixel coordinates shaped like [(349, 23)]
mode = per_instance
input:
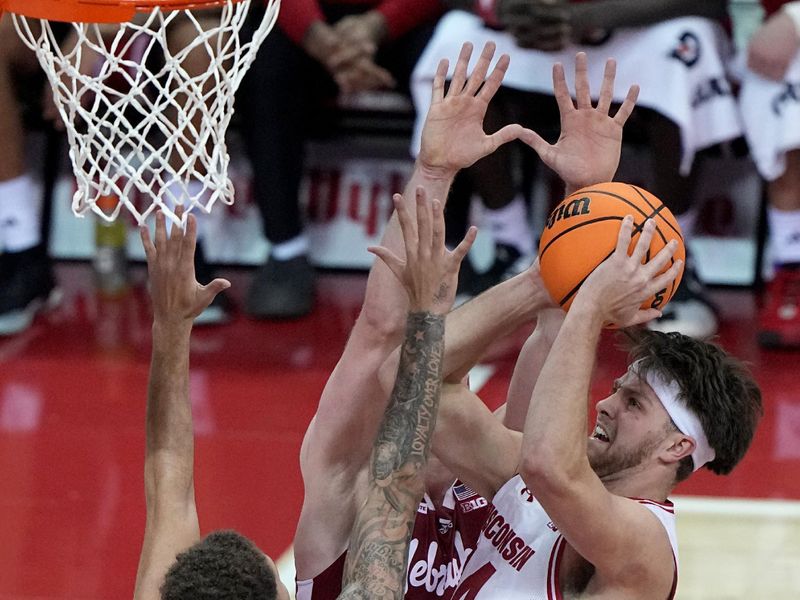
[(679, 64), (771, 116)]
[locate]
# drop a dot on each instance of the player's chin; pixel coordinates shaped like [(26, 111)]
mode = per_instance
[(596, 447), (597, 454)]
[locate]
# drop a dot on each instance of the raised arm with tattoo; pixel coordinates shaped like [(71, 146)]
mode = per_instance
[(337, 446), (378, 553)]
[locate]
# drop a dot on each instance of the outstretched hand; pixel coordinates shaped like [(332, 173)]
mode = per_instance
[(177, 296), (588, 150), (616, 289), (430, 272), (453, 137)]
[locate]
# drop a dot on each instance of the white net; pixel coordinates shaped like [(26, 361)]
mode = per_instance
[(146, 104)]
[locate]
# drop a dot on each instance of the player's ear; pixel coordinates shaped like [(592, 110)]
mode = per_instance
[(676, 447)]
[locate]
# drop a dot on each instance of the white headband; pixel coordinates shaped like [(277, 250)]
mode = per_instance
[(685, 420)]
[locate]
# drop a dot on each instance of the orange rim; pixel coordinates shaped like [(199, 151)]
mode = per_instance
[(98, 11)]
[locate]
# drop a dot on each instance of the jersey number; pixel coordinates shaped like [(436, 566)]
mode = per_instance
[(469, 588), (658, 300)]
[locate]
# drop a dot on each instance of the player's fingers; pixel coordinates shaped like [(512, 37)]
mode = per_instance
[(176, 234), (643, 316), (179, 210), (147, 244), (535, 141), (189, 241), (407, 227), (437, 211), (460, 74), (624, 237), (390, 259), (495, 79), (643, 244), (481, 68), (607, 89), (627, 107), (460, 252), (561, 90), (424, 223), (660, 261), (666, 278), (437, 94), (582, 94), (509, 133), (161, 232), (210, 291)]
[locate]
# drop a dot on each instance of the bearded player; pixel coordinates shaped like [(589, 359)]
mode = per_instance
[(589, 516), (576, 516), (337, 446)]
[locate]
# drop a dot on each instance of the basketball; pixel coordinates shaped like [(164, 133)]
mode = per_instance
[(582, 232)]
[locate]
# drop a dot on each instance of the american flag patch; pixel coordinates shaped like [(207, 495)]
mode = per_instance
[(463, 492)]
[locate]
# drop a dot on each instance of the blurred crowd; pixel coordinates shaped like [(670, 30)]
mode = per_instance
[(698, 91)]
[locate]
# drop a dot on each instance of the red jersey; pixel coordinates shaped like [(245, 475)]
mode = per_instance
[(401, 16), (442, 541)]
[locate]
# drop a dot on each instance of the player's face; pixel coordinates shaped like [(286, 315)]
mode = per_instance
[(283, 593), (630, 426)]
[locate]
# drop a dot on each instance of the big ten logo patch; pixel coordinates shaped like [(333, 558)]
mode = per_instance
[(474, 504), (358, 191), (567, 210)]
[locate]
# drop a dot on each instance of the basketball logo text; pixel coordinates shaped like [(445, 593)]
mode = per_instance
[(579, 206)]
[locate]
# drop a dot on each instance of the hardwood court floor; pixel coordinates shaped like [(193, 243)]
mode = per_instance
[(72, 394)]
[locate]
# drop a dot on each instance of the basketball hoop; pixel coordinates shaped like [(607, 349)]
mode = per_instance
[(139, 124)]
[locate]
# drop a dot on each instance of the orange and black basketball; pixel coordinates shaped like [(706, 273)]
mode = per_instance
[(582, 232)]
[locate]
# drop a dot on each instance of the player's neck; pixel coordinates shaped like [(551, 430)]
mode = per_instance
[(651, 483)]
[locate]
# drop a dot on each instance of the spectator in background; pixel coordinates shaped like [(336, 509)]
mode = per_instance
[(26, 276), (548, 26), (772, 124), (320, 47)]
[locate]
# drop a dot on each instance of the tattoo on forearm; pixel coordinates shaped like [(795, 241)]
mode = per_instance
[(378, 553)]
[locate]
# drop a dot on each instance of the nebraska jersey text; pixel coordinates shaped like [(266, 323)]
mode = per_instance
[(442, 542)]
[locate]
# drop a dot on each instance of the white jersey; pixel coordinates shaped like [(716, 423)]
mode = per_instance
[(519, 551)]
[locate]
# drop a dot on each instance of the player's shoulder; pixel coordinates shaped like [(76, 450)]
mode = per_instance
[(642, 560), (651, 539)]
